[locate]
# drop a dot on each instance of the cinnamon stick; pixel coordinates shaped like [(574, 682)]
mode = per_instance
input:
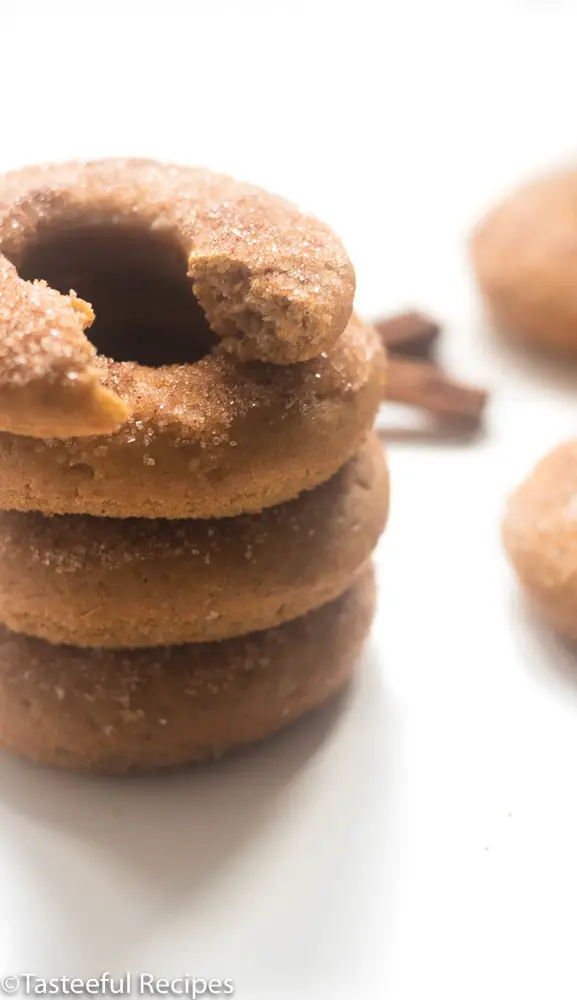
[(419, 383), (410, 333)]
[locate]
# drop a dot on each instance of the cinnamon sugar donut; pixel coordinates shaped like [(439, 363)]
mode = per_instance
[(104, 582), (525, 256), (180, 252), (540, 535), (123, 710), (212, 439)]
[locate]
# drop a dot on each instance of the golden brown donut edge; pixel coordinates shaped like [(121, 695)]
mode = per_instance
[(106, 582), (114, 711)]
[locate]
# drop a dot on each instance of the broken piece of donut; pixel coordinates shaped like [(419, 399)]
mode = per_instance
[(49, 384)]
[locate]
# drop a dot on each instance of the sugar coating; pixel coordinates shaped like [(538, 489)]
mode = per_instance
[(41, 332), (292, 426), (48, 380), (276, 284)]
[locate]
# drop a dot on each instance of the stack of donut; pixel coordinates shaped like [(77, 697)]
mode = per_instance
[(190, 498)]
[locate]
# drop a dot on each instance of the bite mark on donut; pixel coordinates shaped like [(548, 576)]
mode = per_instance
[(248, 310)]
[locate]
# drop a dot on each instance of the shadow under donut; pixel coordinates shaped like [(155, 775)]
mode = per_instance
[(195, 856)]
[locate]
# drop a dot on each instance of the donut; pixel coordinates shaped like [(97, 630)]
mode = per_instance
[(95, 581), (213, 439), (540, 536), (174, 260), (145, 709), (524, 254)]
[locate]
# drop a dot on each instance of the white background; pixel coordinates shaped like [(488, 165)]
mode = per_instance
[(419, 839)]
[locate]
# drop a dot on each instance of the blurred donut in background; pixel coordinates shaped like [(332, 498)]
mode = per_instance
[(540, 536), (524, 254)]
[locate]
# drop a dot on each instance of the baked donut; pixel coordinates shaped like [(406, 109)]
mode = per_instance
[(540, 535), (524, 254), (122, 710), (174, 259), (94, 581), (213, 439)]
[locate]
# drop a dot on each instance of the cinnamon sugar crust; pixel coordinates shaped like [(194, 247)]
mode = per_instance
[(274, 285), (213, 439), (49, 382)]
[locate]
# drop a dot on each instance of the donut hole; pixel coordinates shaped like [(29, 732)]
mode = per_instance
[(136, 281)]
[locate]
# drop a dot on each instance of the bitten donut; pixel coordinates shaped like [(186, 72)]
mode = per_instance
[(525, 256), (162, 252), (540, 535), (123, 710), (93, 581), (212, 439)]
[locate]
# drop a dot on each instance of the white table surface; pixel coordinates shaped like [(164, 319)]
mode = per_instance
[(419, 839)]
